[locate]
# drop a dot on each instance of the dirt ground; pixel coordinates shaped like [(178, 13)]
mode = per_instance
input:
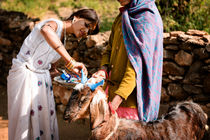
[(3, 114)]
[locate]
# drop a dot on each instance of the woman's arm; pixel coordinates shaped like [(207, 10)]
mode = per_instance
[(126, 86), (48, 30)]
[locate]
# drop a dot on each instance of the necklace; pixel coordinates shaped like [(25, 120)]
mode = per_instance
[(65, 35)]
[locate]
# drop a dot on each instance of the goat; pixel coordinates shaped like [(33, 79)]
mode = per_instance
[(185, 121)]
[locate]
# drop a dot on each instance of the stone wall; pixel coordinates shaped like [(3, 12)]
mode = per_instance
[(186, 66)]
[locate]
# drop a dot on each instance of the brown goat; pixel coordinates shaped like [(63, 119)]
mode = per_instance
[(185, 121)]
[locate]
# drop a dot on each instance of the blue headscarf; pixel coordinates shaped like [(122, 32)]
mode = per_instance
[(143, 38)]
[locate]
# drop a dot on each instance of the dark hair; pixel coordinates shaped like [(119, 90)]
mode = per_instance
[(88, 14)]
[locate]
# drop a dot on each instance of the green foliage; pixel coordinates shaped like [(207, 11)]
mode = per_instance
[(185, 14), (30, 7), (176, 14), (106, 9)]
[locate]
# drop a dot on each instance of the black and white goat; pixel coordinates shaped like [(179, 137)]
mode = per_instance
[(185, 121)]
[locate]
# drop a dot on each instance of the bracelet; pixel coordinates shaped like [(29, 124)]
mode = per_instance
[(105, 73), (70, 65)]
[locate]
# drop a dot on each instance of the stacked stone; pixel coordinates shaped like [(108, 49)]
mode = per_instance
[(88, 50), (186, 66), (14, 27)]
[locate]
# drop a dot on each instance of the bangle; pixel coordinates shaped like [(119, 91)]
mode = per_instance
[(69, 66), (105, 73)]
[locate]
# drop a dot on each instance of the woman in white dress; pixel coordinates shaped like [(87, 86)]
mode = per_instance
[(31, 107)]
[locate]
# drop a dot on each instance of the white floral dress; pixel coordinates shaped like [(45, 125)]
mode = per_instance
[(31, 106)]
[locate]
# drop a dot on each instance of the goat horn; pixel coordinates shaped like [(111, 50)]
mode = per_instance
[(94, 86), (84, 78)]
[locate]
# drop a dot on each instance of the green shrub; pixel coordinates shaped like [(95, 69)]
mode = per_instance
[(176, 14), (184, 14)]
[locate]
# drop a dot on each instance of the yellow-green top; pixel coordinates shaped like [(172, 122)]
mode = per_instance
[(122, 79)]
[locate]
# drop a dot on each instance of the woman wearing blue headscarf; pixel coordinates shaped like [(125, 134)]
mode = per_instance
[(133, 59)]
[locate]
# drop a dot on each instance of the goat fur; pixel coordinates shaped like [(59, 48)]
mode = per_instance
[(185, 121)]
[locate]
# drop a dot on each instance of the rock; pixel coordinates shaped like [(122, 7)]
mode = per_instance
[(94, 63), (166, 80), (206, 38), (205, 68), (173, 69), (73, 45), (97, 40), (196, 41), (206, 84), (1, 57), (207, 61), (164, 97), (5, 42), (76, 56), (175, 78), (167, 54), (201, 98), (201, 53), (186, 46), (208, 105), (163, 109), (172, 47), (26, 24), (192, 89), (176, 33), (183, 58), (90, 42), (196, 32), (171, 40), (193, 73), (183, 37), (208, 47), (166, 35), (176, 91)]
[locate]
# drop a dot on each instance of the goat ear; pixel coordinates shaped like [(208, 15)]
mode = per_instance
[(98, 112)]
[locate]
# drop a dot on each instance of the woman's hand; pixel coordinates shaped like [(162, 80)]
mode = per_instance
[(117, 100), (78, 67)]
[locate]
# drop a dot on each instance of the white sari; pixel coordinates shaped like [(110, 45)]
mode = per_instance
[(31, 106)]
